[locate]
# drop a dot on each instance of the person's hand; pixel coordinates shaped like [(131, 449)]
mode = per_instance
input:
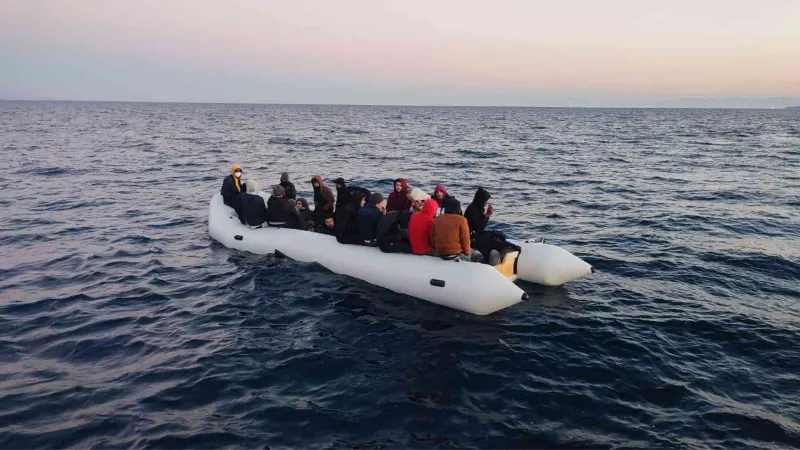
[(489, 210)]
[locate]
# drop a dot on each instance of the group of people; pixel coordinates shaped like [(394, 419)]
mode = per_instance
[(408, 221)]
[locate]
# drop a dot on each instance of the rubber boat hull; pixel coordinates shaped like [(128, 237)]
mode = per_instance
[(474, 288)]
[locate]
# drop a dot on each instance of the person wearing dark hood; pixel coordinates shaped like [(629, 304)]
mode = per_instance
[(441, 196), (368, 217), (478, 212), (252, 210), (344, 192), (328, 225), (450, 236), (392, 234), (323, 198), (233, 187), (281, 211), (288, 186), (346, 229), (305, 214), (398, 200)]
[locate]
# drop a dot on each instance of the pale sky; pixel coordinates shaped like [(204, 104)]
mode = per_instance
[(502, 52)]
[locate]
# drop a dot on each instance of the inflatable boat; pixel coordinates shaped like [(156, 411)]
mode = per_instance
[(471, 287)]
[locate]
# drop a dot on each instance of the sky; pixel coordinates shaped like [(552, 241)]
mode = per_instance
[(408, 52)]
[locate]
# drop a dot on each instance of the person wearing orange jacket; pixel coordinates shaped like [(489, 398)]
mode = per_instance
[(450, 235)]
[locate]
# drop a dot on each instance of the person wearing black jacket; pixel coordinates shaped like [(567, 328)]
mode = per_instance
[(252, 210), (345, 192), (288, 186), (392, 234), (305, 214), (282, 212), (477, 214), (232, 187), (328, 226), (346, 230), (368, 217)]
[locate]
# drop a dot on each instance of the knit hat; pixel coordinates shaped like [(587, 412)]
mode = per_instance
[(418, 195), (285, 176), (452, 206), (252, 186), (278, 191), (339, 180), (375, 198)]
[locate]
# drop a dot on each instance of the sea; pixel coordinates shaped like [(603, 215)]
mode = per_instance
[(124, 325)]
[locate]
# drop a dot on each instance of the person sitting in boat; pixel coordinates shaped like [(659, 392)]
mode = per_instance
[(398, 200), (252, 210), (485, 242), (328, 226), (345, 192), (417, 197), (281, 211), (450, 236), (441, 196), (306, 217), (479, 211), (367, 218), (346, 229), (392, 234), (288, 186), (323, 198), (232, 188), (420, 227)]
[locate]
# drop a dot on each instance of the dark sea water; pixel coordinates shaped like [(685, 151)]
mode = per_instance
[(123, 325)]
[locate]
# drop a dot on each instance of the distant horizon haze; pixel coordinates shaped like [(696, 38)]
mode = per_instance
[(577, 53)]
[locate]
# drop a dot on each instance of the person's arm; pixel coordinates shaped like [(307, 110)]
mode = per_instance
[(329, 200), (430, 237), (463, 229)]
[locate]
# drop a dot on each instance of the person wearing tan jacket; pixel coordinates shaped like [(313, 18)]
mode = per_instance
[(450, 234)]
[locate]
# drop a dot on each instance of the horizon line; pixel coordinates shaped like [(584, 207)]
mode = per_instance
[(267, 103)]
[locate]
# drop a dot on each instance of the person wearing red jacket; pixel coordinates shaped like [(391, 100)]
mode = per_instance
[(398, 200), (420, 227)]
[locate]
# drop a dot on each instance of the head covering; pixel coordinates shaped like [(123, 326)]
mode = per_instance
[(418, 195), (277, 190), (303, 202), (356, 198), (440, 187), (252, 186), (429, 208), (403, 184), (316, 178), (340, 180), (375, 198), (452, 206), (285, 176), (481, 197), (236, 180)]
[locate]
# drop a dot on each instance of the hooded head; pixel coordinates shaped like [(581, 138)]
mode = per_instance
[(278, 191), (252, 187), (234, 169), (481, 197), (356, 199), (418, 195), (339, 182), (403, 185), (318, 180), (429, 208), (375, 199), (440, 188), (452, 206), (285, 176), (302, 202)]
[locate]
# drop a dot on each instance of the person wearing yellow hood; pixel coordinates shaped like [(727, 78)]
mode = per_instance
[(233, 187)]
